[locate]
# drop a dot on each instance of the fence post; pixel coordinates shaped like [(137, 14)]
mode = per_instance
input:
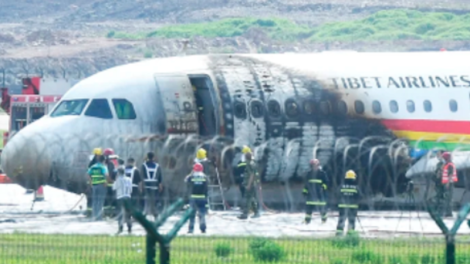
[(450, 234), (152, 233), (164, 253), (150, 250)]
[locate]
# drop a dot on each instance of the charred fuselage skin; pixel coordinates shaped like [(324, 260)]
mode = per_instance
[(290, 117)]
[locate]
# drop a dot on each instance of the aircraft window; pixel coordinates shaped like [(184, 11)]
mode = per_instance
[(70, 107), (124, 109), (453, 105), (309, 107), (376, 107), (257, 109), (99, 108), (240, 110), (325, 107), (427, 106), (410, 106), (274, 109), (393, 106), (292, 108), (342, 107), (359, 107)]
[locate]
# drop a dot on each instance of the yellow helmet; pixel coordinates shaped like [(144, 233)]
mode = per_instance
[(350, 174), (97, 151), (201, 153), (246, 149)]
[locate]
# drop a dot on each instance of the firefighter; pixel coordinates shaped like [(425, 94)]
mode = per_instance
[(133, 174), (200, 111), (250, 184), (239, 170), (449, 177), (153, 185), (98, 174), (97, 152), (437, 182), (197, 181), (316, 185), (201, 157), (112, 165), (349, 203)]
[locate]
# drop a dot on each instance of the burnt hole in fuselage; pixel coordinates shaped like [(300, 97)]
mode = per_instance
[(299, 116)]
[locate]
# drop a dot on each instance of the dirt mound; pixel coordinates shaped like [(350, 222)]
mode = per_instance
[(48, 37), (74, 11)]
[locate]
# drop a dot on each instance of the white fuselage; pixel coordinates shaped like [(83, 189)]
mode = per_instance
[(160, 90)]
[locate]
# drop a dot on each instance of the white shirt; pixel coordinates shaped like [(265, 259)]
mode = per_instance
[(123, 187)]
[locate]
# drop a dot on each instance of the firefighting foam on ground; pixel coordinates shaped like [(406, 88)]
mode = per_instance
[(60, 213)]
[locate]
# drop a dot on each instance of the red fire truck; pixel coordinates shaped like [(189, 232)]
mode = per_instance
[(38, 97)]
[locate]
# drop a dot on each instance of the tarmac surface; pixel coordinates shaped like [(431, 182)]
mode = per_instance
[(62, 213)]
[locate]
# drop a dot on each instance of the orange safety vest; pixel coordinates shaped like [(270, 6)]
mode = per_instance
[(445, 177)]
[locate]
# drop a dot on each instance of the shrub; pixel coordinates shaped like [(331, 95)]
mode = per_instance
[(365, 256), (110, 34), (266, 250), (222, 250)]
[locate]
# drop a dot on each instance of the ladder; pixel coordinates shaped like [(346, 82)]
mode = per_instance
[(216, 190)]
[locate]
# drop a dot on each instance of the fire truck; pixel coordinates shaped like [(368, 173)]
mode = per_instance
[(37, 97)]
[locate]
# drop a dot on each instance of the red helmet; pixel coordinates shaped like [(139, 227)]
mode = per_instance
[(314, 162), (108, 151), (198, 167), (446, 156)]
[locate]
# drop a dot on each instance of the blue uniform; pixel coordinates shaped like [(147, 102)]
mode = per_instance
[(198, 199)]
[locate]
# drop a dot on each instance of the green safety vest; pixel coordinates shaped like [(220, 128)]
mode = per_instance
[(97, 176)]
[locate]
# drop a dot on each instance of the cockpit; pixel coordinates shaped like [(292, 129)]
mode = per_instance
[(98, 108)]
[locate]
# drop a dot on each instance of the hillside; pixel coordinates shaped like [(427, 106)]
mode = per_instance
[(81, 37)]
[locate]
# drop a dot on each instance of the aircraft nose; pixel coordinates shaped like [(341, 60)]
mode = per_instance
[(26, 160)]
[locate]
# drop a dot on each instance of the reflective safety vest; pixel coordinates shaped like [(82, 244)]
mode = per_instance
[(151, 181), (97, 176), (130, 174), (199, 186), (349, 196), (445, 176)]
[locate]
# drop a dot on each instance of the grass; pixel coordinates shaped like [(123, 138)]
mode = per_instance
[(74, 249), (397, 24)]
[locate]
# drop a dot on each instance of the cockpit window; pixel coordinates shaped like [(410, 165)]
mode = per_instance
[(124, 109), (99, 108), (70, 107)]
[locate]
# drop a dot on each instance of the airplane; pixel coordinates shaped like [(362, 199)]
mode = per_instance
[(381, 114)]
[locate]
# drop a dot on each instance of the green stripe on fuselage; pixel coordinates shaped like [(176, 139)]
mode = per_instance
[(430, 145)]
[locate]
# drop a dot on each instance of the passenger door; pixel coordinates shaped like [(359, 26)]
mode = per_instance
[(179, 105)]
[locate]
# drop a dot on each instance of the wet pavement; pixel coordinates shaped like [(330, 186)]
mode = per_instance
[(62, 213)]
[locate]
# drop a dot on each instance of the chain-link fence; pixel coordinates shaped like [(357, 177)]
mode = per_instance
[(392, 225)]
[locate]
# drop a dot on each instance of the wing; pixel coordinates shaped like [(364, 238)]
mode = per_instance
[(427, 164)]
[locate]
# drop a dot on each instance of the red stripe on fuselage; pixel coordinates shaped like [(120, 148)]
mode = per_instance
[(437, 126)]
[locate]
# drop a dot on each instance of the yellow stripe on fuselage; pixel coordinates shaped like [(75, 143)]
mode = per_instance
[(431, 136)]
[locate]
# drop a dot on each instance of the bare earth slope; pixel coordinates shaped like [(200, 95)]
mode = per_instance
[(51, 35)]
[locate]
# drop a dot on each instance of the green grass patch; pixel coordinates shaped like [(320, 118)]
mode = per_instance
[(395, 24), (222, 250), (76, 249)]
